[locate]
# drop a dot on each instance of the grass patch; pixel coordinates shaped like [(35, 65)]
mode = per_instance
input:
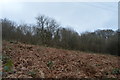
[(7, 64), (50, 64), (115, 71)]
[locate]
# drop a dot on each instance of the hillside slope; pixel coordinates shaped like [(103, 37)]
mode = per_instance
[(30, 61)]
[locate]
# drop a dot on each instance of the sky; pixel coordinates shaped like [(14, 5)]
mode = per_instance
[(80, 16)]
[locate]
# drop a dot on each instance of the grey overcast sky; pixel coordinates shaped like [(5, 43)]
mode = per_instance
[(81, 16)]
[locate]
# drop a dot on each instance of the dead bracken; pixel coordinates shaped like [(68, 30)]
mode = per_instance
[(30, 61)]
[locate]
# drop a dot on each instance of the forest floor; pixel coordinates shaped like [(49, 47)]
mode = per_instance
[(32, 61)]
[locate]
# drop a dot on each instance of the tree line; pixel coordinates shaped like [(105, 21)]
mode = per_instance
[(48, 32)]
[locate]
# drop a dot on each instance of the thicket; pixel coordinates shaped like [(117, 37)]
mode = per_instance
[(48, 32)]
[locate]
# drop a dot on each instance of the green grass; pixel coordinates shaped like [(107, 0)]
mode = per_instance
[(7, 64), (115, 71)]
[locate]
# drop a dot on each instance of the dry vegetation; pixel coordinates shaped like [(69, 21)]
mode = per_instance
[(30, 61)]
